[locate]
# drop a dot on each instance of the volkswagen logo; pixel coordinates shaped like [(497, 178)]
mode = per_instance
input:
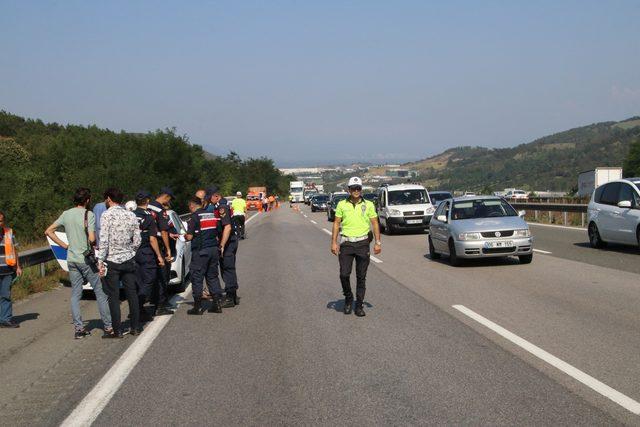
[(498, 234)]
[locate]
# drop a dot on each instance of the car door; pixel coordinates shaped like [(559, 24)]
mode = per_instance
[(625, 220), (382, 213), (439, 230), (608, 213)]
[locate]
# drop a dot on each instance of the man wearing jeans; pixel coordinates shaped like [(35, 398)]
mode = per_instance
[(119, 241), (79, 225)]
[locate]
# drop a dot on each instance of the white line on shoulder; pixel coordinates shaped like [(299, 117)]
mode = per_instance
[(594, 384), (374, 259), (541, 251), (326, 231)]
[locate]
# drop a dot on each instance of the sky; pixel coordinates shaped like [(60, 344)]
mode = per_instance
[(318, 82)]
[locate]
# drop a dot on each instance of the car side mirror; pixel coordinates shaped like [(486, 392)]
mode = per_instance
[(442, 218), (625, 204), (521, 214)]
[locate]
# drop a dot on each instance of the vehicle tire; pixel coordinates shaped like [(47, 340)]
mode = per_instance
[(382, 227), (312, 209), (525, 259), (388, 230), (432, 251), (453, 256), (638, 237), (594, 237)]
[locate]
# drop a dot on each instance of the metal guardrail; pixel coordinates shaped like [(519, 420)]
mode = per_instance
[(551, 207)]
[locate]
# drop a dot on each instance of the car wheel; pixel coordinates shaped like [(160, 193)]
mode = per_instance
[(525, 259), (638, 236), (594, 237), (453, 256), (382, 227), (432, 251)]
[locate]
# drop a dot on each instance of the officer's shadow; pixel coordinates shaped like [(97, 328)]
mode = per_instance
[(338, 305)]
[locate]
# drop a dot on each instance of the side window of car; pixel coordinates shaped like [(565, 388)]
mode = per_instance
[(627, 194), (445, 209), (438, 211), (610, 193), (598, 194), (383, 199)]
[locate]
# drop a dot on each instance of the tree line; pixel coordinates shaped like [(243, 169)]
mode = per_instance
[(42, 164)]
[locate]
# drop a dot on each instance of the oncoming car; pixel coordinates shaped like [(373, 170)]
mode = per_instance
[(477, 227), (180, 248), (614, 213), (319, 202)]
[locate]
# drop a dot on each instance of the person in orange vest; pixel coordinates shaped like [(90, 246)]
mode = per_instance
[(9, 269), (271, 201)]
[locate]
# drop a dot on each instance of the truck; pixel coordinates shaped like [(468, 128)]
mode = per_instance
[(592, 179), (296, 190), (254, 197)]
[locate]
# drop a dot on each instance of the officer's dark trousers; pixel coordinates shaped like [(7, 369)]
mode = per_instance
[(238, 221), (348, 252), (125, 273), (160, 288), (228, 265), (146, 274), (204, 265)]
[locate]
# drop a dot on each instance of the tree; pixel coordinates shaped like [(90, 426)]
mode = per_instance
[(631, 165)]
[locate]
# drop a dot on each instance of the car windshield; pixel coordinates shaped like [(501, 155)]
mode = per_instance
[(253, 197), (481, 208), (176, 222), (321, 199), (438, 197), (408, 197), (337, 198), (296, 189)]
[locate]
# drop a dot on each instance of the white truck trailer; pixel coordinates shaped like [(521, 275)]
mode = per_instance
[(590, 180), (296, 190)]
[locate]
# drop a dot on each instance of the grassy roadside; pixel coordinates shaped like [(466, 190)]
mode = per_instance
[(32, 283)]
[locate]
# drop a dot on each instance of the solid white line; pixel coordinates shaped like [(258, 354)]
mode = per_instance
[(558, 226), (374, 259), (313, 222), (598, 386), (326, 231), (541, 251), (98, 398)]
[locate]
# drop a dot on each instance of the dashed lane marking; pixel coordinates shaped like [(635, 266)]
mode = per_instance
[(594, 384), (326, 231), (313, 222), (541, 251), (374, 259), (98, 398)]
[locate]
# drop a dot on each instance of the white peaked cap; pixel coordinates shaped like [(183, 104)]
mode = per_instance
[(354, 180)]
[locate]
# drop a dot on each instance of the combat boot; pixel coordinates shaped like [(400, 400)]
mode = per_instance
[(348, 305), (216, 305), (359, 309), (197, 309), (231, 299)]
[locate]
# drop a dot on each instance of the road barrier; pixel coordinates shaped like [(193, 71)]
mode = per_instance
[(564, 208)]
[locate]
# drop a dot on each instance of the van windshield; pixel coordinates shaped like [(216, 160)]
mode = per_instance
[(408, 197), (296, 189)]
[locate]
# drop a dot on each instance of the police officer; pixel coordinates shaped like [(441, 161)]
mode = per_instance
[(161, 217), (228, 251), (202, 231), (148, 256), (356, 216), (239, 209)]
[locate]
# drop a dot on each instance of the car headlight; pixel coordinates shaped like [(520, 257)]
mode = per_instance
[(395, 212), (430, 210), (522, 233), (469, 236)]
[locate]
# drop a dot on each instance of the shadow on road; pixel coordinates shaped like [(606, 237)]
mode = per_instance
[(480, 262), (338, 305), (611, 247), (26, 317)]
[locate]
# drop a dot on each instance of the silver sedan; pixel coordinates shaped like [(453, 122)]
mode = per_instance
[(478, 227)]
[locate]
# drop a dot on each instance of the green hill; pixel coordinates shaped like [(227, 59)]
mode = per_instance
[(549, 163)]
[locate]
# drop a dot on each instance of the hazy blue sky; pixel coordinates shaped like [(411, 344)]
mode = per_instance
[(304, 81)]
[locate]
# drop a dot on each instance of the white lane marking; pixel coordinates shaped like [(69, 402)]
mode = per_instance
[(327, 231), (313, 222), (541, 251), (305, 216), (558, 226), (92, 405), (594, 384), (251, 217), (374, 259)]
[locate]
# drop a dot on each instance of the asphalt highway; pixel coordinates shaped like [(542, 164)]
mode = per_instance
[(437, 345)]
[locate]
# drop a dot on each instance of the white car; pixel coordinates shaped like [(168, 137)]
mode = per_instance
[(180, 248), (614, 213), (516, 195), (404, 207)]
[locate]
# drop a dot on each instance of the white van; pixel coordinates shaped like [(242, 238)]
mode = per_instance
[(404, 207)]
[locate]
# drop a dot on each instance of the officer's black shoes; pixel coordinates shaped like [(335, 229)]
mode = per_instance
[(197, 309), (359, 310), (135, 332), (231, 300), (348, 306), (216, 305), (113, 335), (163, 311)]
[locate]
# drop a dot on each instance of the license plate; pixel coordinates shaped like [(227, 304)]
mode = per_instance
[(504, 244), (414, 221)]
